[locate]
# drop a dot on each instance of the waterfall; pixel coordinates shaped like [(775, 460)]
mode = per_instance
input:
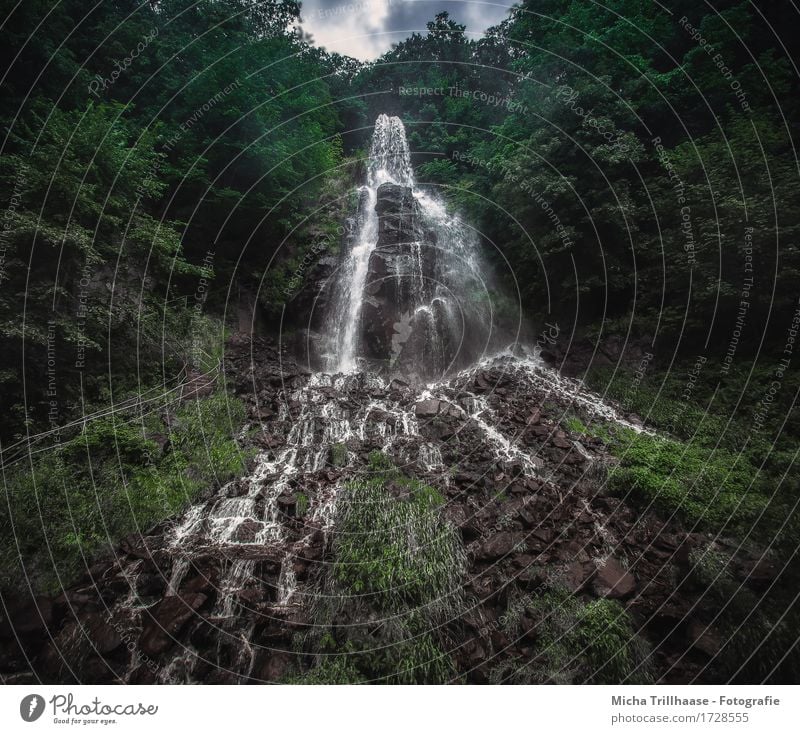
[(221, 593), (410, 293), (389, 162)]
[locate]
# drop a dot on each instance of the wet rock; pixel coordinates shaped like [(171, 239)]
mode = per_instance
[(534, 417), (760, 573), (427, 408), (541, 531), (704, 638), (575, 576), (613, 581), (560, 441), (27, 616), (150, 584), (103, 636), (167, 620), (276, 666), (500, 544), (247, 531)]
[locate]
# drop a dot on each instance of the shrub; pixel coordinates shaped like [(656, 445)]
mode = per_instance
[(605, 639), (708, 487), (576, 643), (396, 578), (335, 670), (108, 481), (397, 552)]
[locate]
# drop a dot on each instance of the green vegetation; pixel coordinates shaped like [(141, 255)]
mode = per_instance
[(756, 638), (576, 642), (336, 671), (710, 487), (607, 124), (77, 499), (339, 454), (575, 425), (301, 500), (707, 464), (397, 552), (136, 191), (716, 471), (397, 575), (600, 149), (608, 644)]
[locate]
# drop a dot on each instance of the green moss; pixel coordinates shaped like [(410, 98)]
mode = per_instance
[(301, 504), (108, 481), (574, 424), (708, 487), (574, 642), (338, 454), (395, 551)]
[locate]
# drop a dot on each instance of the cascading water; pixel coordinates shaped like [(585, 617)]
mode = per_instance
[(389, 162), (409, 294), (226, 579)]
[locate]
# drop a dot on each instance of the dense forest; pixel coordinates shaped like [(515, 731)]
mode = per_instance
[(173, 172)]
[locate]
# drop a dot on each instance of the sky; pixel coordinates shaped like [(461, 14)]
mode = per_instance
[(367, 28)]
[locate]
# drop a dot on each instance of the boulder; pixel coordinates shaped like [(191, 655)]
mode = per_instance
[(427, 408), (32, 615), (167, 620), (613, 581), (499, 545), (103, 636), (247, 531), (704, 638)]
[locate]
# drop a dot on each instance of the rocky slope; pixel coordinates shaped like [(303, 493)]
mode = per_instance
[(230, 591)]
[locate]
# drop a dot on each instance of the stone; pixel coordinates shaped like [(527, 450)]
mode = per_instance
[(103, 636), (575, 576), (613, 581), (427, 408), (150, 584), (247, 531), (167, 620), (704, 638), (499, 545), (33, 615), (276, 666)]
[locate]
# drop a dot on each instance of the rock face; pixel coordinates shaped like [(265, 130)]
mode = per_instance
[(220, 594), (397, 327), (410, 294)]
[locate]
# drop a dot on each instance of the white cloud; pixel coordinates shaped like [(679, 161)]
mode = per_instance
[(365, 29), (357, 28)]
